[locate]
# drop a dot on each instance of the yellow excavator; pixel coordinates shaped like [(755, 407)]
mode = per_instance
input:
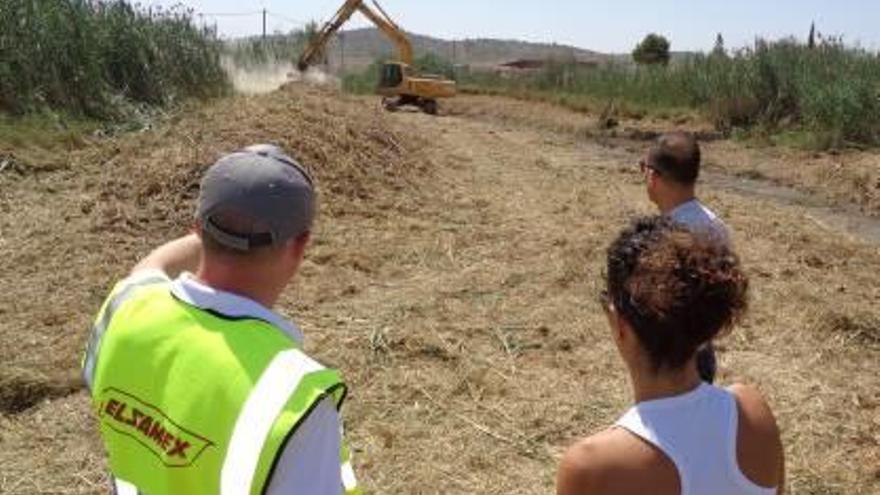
[(398, 85)]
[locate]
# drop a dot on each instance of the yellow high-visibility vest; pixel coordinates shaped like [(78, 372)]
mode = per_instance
[(194, 402)]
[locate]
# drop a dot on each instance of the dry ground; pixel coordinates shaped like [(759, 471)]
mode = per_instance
[(452, 280), (850, 178)]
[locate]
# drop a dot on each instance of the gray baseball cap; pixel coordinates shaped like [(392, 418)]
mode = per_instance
[(261, 187)]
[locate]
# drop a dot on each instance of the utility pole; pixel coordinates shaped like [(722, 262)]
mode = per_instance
[(453, 52), (264, 25)]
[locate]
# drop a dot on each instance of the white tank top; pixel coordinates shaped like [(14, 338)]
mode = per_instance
[(697, 431)]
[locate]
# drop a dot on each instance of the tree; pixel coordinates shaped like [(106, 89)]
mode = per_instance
[(719, 50), (654, 49), (811, 41)]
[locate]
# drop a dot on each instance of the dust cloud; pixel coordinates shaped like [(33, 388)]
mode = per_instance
[(265, 78)]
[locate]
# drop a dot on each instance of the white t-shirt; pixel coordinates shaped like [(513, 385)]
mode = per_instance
[(310, 462), (700, 220)]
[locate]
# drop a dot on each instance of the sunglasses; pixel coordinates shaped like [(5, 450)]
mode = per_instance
[(644, 167), (605, 301)]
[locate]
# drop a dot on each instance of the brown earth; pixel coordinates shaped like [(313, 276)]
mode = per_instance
[(452, 280), (847, 178)]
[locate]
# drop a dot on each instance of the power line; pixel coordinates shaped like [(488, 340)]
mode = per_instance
[(288, 19), (254, 13), (229, 14), (296, 23)]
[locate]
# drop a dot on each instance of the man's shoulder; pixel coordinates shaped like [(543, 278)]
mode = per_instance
[(141, 278), (692, 211), (130, 285), (699, 218)]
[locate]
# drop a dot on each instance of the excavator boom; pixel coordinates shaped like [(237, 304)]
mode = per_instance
[(380, 19), (387, 26), (317, 44)]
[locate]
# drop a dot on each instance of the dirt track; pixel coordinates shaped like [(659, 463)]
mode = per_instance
[(459, 305)]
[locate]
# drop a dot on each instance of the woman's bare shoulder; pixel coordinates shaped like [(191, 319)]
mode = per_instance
[(759, 450), (615, 462)]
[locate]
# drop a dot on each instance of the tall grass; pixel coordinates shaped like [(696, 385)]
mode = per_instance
[(830, 91), (92, 58)]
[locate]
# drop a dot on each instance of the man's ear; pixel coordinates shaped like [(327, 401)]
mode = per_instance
[(304, 238), (297, 245), (653, 177), (623, 332)]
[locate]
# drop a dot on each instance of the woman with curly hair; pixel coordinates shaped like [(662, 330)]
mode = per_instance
[(668, 293)]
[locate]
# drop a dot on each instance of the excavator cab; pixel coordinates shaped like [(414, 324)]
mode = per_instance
[(399, 87), (391, 75)]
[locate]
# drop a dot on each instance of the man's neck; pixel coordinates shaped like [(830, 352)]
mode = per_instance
[(238, 283), (675, 199), (648, 385)]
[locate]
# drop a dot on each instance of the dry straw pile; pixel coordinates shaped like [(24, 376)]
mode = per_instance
[(71, 224)]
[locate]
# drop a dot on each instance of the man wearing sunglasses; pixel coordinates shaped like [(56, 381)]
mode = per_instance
[(671, 168)]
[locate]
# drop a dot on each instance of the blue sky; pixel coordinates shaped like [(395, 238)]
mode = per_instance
[(608, 26)]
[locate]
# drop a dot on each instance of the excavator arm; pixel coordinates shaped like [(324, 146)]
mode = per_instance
[(392, 30), (317, 44), (380, 19)]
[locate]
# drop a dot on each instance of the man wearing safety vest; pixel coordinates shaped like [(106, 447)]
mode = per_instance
[(198, 386)]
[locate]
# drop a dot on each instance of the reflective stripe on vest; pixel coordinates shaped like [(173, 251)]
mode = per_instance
[(152, 394), (349, 482), (263, 405), (119, 295), (122, 487)]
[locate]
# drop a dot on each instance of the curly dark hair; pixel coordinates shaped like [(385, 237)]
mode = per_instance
[(677, 290)]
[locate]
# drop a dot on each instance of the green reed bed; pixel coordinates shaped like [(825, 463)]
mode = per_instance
[(97, 59), (829, 91)]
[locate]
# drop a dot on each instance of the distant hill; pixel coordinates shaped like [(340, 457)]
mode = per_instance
[(363, 46)]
